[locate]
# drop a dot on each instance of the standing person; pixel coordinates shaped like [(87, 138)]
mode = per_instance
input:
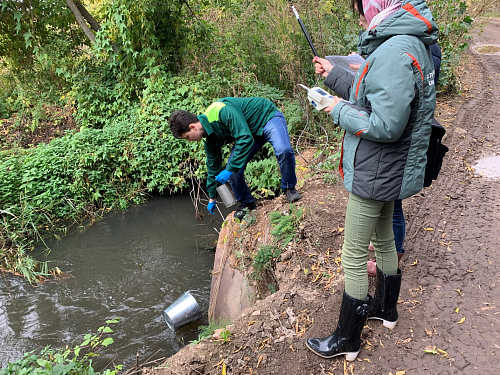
[(387, 123), (339, 80), (249, 123), (398, 218)]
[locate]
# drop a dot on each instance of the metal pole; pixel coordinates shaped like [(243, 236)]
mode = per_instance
[(304, 31)]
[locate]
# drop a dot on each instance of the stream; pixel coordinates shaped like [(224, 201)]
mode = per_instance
[(131, 265)]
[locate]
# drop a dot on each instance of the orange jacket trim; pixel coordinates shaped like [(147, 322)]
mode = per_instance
[(409, 8)]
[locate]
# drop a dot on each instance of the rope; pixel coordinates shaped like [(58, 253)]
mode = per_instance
[(301, 135)]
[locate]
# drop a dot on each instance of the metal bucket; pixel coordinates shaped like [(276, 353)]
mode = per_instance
[(226, 195), (183, 311)]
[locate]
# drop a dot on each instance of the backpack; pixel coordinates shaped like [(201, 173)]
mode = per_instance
[(435, 153)]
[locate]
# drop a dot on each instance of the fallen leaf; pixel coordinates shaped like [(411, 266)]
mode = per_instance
[(428, 229), (405, 341), (457, 310), (400, 372), (430, 349), (220, 363), (264, 343), (260, 359), (461, 321), (444, 354), (241, 347)]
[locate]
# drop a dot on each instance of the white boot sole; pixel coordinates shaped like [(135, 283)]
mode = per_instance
[(385, 323), (349, 356)]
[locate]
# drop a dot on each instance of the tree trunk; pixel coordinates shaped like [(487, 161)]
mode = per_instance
[(91, 20), (82, 15), (81, 21)]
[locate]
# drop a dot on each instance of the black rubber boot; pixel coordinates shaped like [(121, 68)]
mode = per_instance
[(384, 304), (244, 209), (292, 195), (347, 337)]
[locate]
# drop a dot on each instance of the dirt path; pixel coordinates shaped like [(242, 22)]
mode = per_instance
[(449, 303), (457, 261)]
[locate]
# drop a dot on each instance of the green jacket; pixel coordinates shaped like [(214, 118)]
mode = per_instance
[(387, 120), (231, 120)]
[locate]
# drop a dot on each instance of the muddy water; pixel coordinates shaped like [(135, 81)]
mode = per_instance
[(131, 266), (487, 49), (488, 167)]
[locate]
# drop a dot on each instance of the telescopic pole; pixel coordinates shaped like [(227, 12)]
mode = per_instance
[(304, 31)]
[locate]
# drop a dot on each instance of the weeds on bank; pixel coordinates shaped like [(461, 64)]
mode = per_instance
[(284, 226), (329, 165), (208, 331), (249, 219), (66, 361), (264, 259)]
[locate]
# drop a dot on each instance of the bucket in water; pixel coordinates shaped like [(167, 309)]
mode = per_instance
[(183, 311), (226, 195)]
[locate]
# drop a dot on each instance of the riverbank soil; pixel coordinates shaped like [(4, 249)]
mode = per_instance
[(449, 313)]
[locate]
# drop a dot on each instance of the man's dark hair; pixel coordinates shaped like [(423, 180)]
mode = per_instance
[(359, 4), (179, 122)]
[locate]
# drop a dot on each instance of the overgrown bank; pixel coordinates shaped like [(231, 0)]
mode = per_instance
[(124, 85)]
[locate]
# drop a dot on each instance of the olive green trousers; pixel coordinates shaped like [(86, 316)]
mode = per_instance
[(367, 220)]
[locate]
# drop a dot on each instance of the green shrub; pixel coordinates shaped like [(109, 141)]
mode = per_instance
[(264, 259), (284, 225), (69, 361), (454, 25)]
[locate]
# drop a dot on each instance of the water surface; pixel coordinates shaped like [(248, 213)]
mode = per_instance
[(488, 167), (131, 265)]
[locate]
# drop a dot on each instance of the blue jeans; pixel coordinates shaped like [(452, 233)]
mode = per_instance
[(399, 226), (276, 133)]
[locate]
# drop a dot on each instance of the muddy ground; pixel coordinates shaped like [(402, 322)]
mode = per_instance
[(449, 302)]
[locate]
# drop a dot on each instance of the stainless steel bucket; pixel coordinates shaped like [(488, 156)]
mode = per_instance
[(183, 311), (226, 195)]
